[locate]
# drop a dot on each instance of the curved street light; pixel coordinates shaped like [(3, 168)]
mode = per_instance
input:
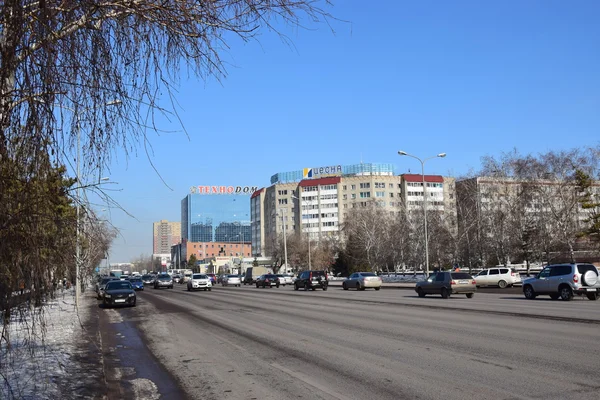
[(422, 161), (301, 201)]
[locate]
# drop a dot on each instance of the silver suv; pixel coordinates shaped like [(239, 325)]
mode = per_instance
[(564, 281)]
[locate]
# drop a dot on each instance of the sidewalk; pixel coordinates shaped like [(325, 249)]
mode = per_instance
[(53, 352)]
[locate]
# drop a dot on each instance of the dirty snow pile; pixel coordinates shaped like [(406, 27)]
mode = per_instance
[(42, 344)]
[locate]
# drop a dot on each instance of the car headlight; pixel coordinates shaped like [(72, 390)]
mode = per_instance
[(131, 294), (107, 295)]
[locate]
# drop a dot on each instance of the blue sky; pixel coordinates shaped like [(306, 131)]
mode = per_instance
[(468, 78)]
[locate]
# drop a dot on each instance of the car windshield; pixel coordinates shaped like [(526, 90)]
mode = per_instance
[(135, 280), (367, 274), (164, 278), (460, 275), (106, 280), (232, 276), (147, 277), (116, 285), (199, 276)]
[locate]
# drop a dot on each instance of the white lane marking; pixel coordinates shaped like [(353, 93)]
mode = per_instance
[(309, 381)]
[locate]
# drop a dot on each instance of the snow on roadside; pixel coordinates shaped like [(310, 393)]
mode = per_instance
[(43, 342)]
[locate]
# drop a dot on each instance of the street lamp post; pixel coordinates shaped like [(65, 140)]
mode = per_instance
[(441, 155), (307, 232), (78, 195), (284, 238)]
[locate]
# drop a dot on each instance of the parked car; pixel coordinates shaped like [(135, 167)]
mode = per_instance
[(148, 279), (163, 280), (362, 280), (311, 280), (564, 281), (118, 293), (136, 283), (446, 284), (199, 281), (177, 278), (285, 279), (102, 285), (501, 277), (231, 280), (267, 280)]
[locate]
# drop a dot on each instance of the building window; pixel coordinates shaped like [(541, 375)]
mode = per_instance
[(283, 201), (353, 187), (391, 194), (353, 195), (364, 195), (365, 185), (345, 197), (344, 187), (379, 185), (283, 193), (379, 194)]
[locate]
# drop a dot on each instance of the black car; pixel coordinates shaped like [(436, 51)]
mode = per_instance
[(118, 293), (267, 280), (311, 280)]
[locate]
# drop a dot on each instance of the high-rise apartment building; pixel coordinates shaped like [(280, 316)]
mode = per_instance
[(318, 200), (165, 235)]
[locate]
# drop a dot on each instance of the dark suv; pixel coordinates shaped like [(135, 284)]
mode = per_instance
[(563, 281), (311, 280)]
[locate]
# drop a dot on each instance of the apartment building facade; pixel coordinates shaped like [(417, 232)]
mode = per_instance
[(318, 204), (165, 235)]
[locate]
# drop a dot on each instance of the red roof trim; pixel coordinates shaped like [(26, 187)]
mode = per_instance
[(321, 181), (257, 193), (419, 178)]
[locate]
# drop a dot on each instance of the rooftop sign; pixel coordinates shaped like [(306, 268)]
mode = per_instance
[(223, 189), (309, 173)]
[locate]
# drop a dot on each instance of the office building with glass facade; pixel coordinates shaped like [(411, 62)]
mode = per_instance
[(216, 217)]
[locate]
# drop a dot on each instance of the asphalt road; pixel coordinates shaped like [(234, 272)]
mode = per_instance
[(248, 343)]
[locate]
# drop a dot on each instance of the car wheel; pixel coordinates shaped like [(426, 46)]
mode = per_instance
[(205, 289), (209, 289), (278, 285), (265, 285), (324, 287), (344, 286), (469, 295), (566, 293), (295, 287), (445, 293), (313, 288), (377, 288), (358, 286), (189, 290), (592, 296), (306, 286), (554, 296), (420, 292), (257, 285), (133, 305), (529, 292), (502, 284)]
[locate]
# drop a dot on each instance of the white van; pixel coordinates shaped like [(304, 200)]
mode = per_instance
[(187, 275), (498, 276)]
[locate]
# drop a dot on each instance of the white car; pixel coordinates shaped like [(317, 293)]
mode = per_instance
[(285, 279), (499, 276), (199, 281), (231, 280), (362, 281)]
